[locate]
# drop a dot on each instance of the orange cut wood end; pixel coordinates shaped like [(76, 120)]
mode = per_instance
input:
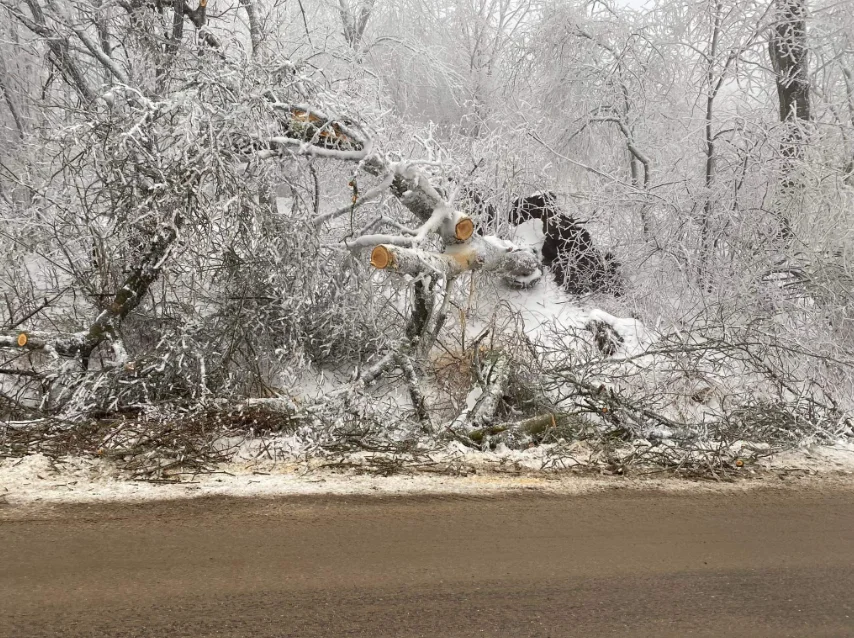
[(304, 116), (464, 229), (380, 257), (22, 339)]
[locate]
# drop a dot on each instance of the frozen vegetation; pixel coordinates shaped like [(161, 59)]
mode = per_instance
[(407, 236)]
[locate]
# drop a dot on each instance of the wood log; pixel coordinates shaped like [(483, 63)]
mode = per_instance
[(480, 253), (381, 257), (414, 190), (532, 426), (464, 229), (62, 344)]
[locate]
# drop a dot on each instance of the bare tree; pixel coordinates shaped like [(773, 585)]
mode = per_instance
[(355, 21)]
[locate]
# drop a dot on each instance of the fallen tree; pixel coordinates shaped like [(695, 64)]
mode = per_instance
[(176, 147)]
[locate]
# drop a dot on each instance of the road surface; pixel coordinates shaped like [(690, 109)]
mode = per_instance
[(622, 563)]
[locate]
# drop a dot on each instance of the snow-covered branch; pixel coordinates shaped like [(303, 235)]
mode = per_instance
[(483, 401), (106, 324), (369, 196)]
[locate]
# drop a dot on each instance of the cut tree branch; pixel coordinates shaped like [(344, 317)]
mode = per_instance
[(519, 267)]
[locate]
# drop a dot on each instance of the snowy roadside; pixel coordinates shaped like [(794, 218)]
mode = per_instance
[(39, 480), (626, 411)]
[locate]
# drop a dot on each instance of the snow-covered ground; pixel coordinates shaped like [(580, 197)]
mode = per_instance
[(36, 479), (547, 310)]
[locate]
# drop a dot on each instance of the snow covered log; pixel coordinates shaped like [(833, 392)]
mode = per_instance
[(321, 135), (414, 190), (518, 430), (409, 185), (62, 344), (520, 267)]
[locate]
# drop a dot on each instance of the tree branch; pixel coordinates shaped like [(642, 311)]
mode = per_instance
[(376, 191), (60, 51)]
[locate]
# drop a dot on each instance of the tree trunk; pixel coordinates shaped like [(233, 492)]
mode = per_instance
[(788, 50), (10, 102), (709, 143), (254, 25), (354, 22)]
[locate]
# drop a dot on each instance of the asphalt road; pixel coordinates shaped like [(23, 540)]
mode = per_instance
[(624, 563)]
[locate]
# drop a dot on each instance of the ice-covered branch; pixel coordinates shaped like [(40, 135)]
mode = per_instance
[(61, 51), (483, 401), (306, 148), (372, 194), (366, 241), (106, 324)]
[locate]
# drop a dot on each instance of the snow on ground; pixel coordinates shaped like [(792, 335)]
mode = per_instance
[(37, 480), (838, 458), (548, 310), (528, 234)]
